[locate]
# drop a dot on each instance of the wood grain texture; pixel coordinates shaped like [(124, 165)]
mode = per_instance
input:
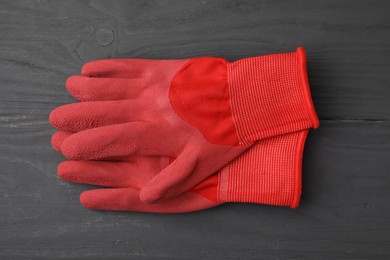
[(344, 212)]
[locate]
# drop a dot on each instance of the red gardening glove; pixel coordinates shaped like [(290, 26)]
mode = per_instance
[(203, 112), (268, 173)]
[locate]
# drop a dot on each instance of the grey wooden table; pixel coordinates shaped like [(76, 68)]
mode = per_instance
[(345, 211)]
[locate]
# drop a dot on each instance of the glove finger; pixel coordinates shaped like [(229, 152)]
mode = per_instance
[(166, 184), (112, 174), (127, 199), (58, 138), (117, 68), (116, 140), (100, 89), (85, 115)]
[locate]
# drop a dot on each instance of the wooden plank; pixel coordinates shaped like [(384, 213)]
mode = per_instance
[(347, 44), (344, 212)]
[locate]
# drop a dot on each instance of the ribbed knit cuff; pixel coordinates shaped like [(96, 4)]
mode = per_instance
[(270, 95), (268, 173)]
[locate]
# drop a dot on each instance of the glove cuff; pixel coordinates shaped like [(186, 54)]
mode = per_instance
[(268, 173), (270, 95)]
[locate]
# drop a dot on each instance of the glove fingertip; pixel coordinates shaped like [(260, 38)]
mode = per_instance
[(61, 170), (55, 143), (68, 150), (87, 200), (57, 139), (73, 85), (59, 118), (54, 118), (66, 170), (149, 196), (86, 69)]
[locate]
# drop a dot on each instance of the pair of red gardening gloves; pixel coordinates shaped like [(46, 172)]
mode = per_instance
[(174, 136)]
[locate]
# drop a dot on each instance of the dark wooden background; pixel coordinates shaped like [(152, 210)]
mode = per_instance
[(345, 211)]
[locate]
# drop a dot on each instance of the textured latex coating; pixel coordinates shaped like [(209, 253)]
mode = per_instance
[(142, 124), (268, 173), (139, 108)]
